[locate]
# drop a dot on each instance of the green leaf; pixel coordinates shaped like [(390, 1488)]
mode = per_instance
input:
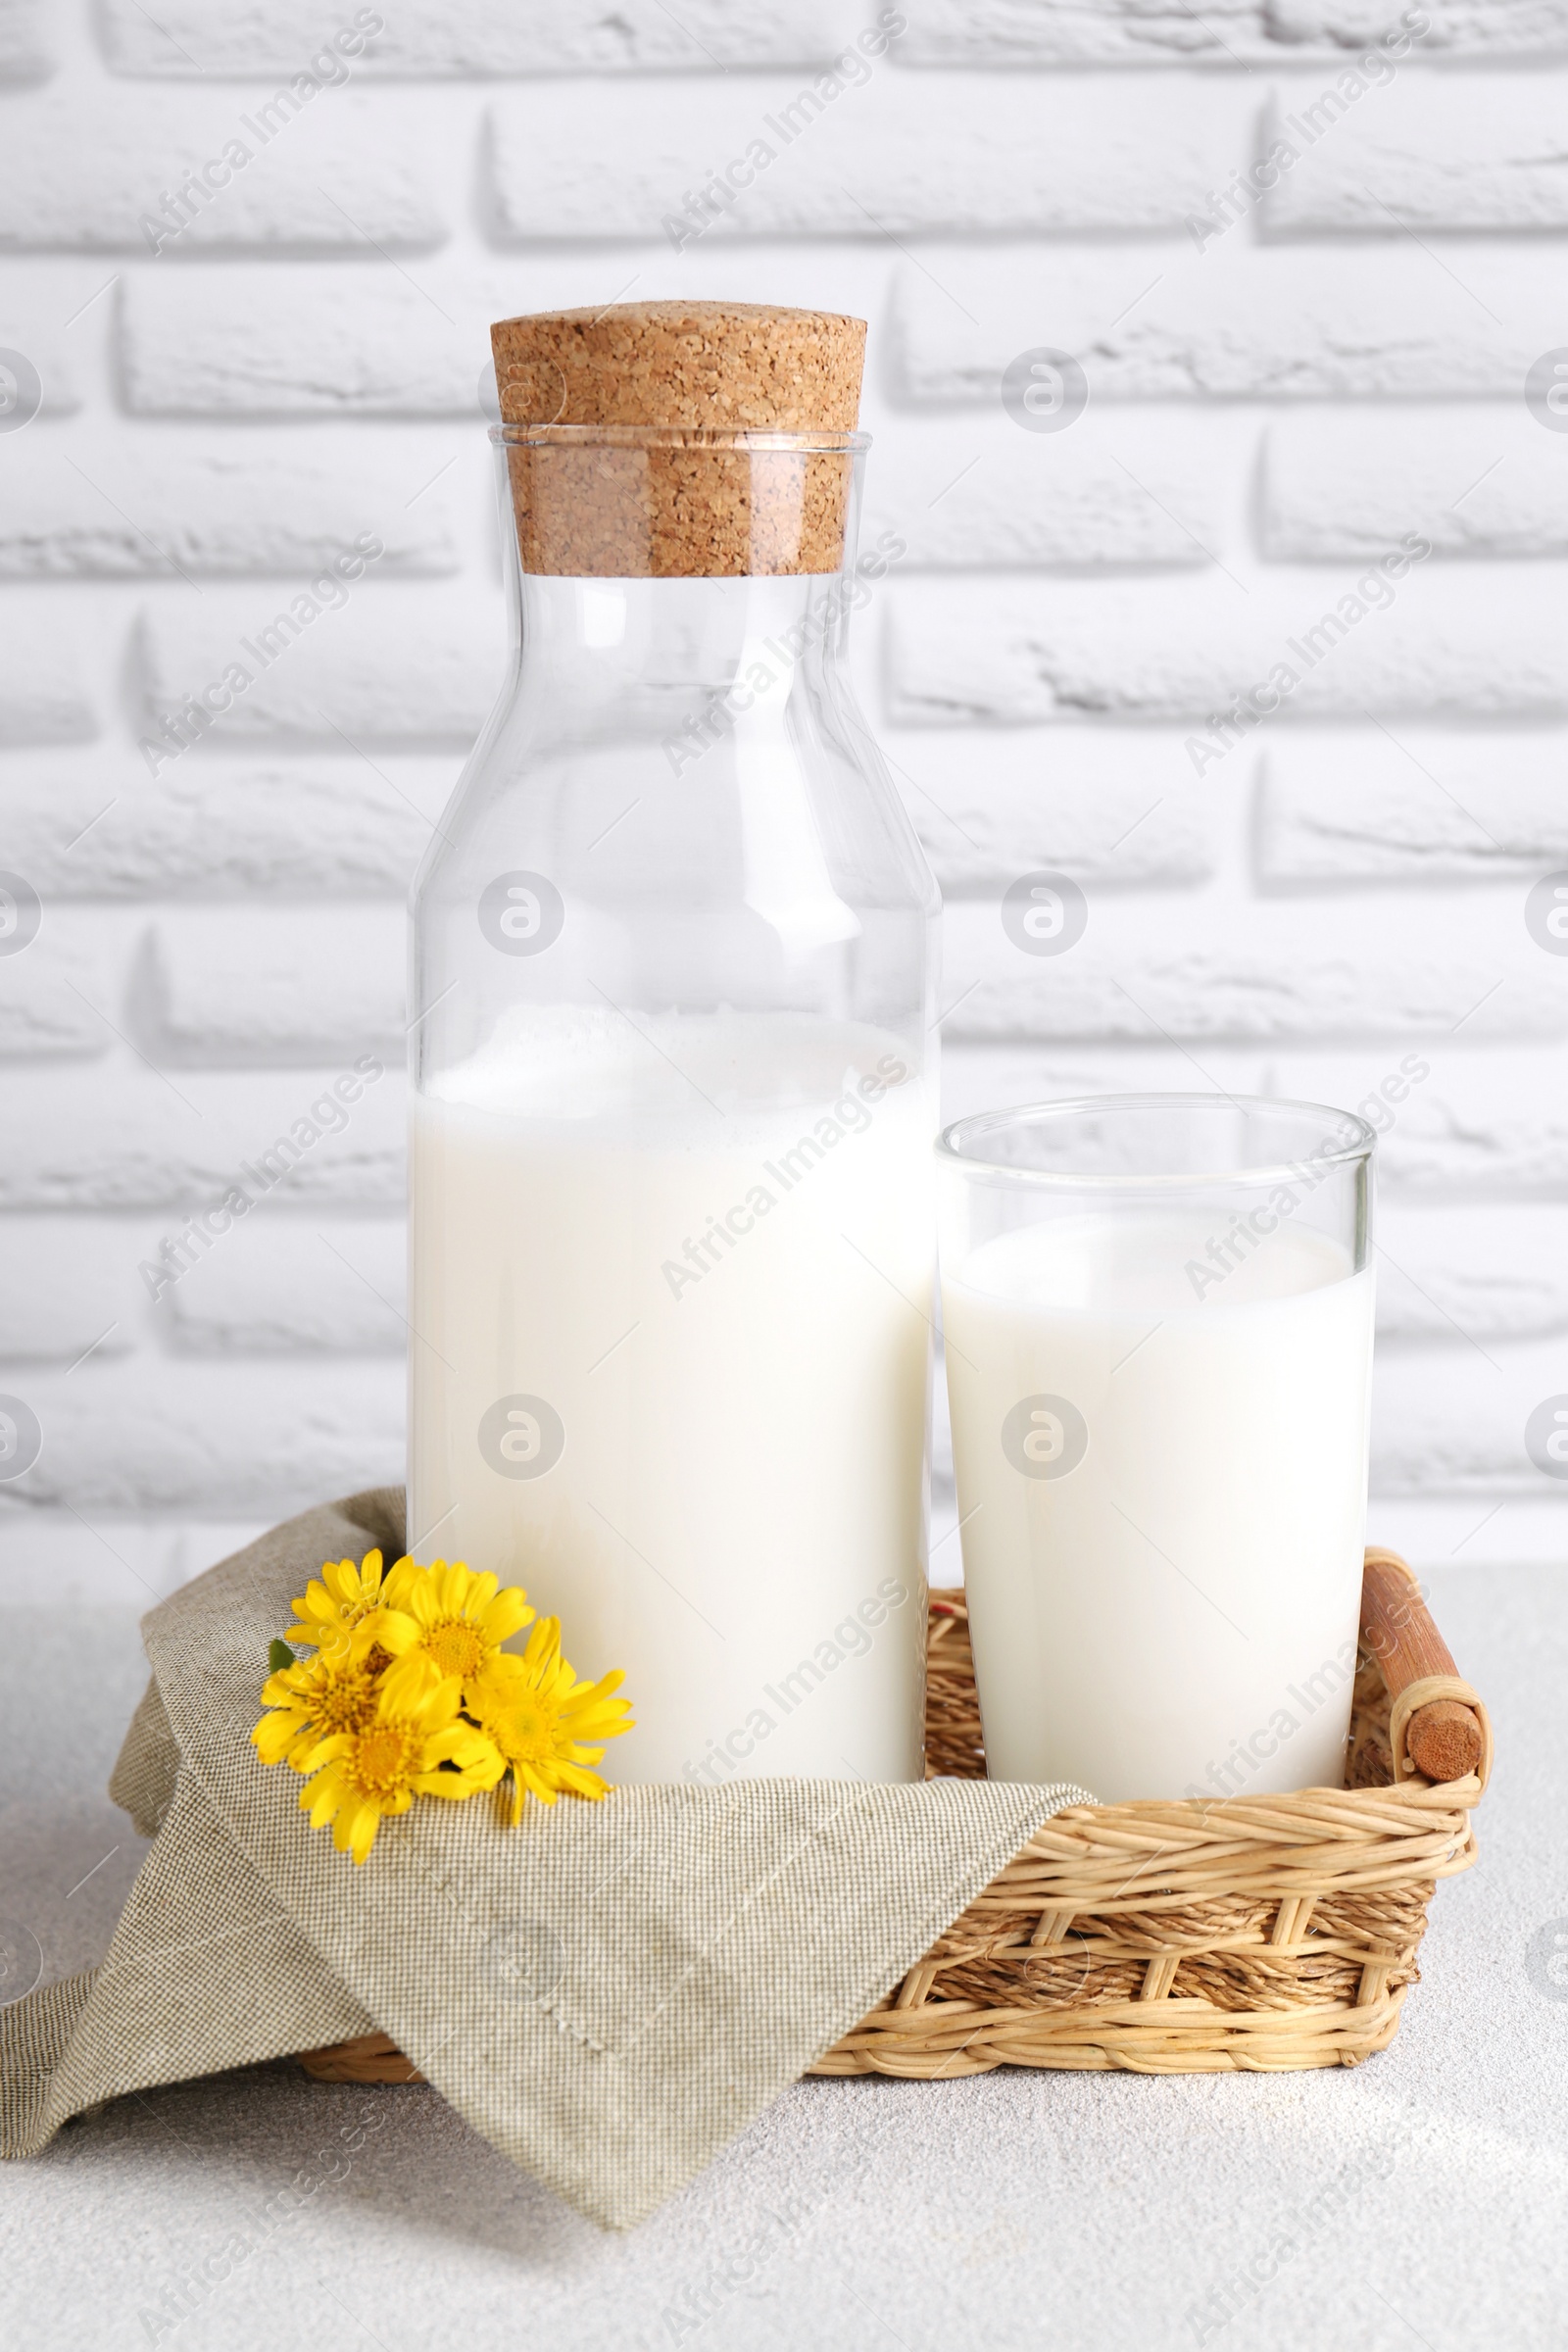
[(279, 1656)]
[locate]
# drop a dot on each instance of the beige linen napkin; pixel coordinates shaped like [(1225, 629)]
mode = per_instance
[(609, 1992)]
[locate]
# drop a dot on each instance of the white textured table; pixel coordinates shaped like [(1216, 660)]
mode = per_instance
[(1421, 2199)]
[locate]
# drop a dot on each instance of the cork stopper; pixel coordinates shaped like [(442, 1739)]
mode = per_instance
[(727, 366), (622, 456)]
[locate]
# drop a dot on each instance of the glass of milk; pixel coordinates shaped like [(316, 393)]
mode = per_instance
[(673, 1223), (1157, 1313)]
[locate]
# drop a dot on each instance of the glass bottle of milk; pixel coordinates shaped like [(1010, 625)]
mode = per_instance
[(672, 1071)]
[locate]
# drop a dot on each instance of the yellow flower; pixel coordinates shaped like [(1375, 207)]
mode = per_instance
[(549, 1726), (450, 1616), (333, 1691), (338, 1600), (377, 1767)]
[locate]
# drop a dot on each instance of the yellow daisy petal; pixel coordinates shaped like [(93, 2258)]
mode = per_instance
[(336, 1601), (319, 1695), (365, 1825), (372, 1766), (450, 1616), (505, 1615), (544, 1722)]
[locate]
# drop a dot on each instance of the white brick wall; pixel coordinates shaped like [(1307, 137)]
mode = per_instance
[(425, 38), (1016, 653), (1234, 320), (912, 154), (1429, 152), (25, 50), (1285, 383), (201, 505), (1484, 480), (1244, 32), (96, 174)]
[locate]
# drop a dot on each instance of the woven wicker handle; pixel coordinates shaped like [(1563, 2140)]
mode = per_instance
[(1438, 1725)]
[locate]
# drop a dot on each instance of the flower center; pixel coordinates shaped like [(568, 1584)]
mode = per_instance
[(529, 1730), (343, 1705), (383, 1759), (455, 1647)]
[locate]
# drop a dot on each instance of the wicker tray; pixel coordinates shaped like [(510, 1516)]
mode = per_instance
[(1191, 1937)]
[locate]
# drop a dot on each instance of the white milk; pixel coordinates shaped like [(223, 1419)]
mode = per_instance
[(716, 1271), (1174, 1613)]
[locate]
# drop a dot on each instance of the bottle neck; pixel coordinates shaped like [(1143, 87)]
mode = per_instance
[(691, 657)]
